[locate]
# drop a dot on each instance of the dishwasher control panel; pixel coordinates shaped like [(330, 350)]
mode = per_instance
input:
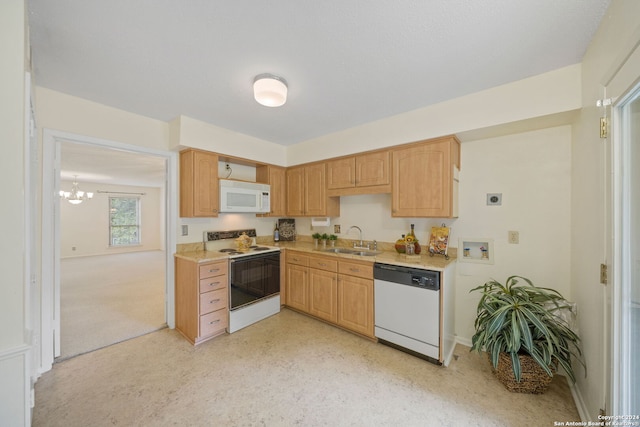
[(426, 279)]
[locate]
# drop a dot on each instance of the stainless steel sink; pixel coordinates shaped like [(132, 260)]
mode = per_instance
[(351, 252), (366, 253), (339, 251)]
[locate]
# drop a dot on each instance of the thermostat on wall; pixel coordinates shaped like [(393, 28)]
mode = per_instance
[(494, 199)]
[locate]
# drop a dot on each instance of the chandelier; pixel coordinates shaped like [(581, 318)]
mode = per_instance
[(75, 196)]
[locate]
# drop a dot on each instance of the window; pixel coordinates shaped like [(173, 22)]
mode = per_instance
[(124, 221)]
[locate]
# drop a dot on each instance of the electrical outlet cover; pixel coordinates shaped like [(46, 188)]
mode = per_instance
[(494, 199)]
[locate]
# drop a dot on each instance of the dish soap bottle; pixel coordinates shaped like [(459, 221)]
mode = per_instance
[(276, 233)]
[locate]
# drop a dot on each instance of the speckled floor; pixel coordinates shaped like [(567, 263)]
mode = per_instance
[(286, 370)]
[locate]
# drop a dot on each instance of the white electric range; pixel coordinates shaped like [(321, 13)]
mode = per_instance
[(254, 277)]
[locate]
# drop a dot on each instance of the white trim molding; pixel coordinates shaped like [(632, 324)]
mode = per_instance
[(14, 363)]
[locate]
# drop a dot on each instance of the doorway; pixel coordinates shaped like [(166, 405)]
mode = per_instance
[(53, 153), (626, 333), (112, 247), (622, 90)]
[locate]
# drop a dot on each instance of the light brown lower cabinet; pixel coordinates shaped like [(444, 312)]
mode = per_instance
[(201, 297), (334, 290)]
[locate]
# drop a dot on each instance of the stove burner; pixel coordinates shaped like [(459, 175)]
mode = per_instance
[(228, 250), (260, 248)]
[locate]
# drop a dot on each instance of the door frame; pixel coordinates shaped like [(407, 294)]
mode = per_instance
[(50, 260), (618, 83)]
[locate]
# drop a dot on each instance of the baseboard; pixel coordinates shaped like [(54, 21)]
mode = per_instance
[(463, 341), (579, 401)]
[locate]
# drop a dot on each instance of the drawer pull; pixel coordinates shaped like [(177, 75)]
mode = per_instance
[(355, 270), (214, 300), (322, 264), (213, 270), (214, 321), (214, 283)]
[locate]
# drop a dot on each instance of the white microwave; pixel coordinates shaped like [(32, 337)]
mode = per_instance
[(244, 196)]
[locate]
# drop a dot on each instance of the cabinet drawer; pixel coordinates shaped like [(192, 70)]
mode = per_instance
[(213, 269), (212, 283), (213, 322), (356, 269), (323, 264), (214, 300), (297, 258)]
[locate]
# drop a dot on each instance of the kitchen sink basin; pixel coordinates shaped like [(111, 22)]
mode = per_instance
[(351, 252)]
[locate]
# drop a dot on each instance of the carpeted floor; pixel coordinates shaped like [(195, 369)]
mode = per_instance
[(110, 298), (286, 370)]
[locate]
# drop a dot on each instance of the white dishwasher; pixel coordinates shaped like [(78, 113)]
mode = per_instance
[(407, 309)]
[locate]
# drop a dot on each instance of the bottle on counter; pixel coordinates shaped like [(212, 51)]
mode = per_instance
[(276, 233), (412, 237)]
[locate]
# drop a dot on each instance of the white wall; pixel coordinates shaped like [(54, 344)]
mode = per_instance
[(188, 132), (59, 111), (85, 227), (532, 170), (546, 94), (14, 363)]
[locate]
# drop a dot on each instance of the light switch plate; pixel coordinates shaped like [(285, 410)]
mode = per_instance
[(185, 230), (494, 199)]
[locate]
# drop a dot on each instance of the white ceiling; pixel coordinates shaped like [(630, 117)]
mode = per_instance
[(95, 164), (346, 62)]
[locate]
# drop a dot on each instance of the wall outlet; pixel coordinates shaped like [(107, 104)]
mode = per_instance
[(336, 228), (514, 237), (185, 230)]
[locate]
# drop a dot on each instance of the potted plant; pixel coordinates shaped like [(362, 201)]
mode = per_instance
[(316, 237), (521, 328), (324, 238), (333, 238)]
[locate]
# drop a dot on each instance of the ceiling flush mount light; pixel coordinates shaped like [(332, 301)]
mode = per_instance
[(75, 196), (270, 90)]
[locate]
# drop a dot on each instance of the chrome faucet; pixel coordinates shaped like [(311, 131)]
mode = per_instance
[(361, 244)]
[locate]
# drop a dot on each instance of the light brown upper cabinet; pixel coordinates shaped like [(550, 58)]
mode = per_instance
[(275, 176), (367, 173), (199, 193), (307, 192), (425, 179)]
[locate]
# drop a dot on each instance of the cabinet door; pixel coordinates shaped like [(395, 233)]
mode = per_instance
[(276, 177), (422, 181), (315, 190), (295, 191), (355, 304), (199, 194), (297, 287), (372, 169), (323, 294), (341, 173)]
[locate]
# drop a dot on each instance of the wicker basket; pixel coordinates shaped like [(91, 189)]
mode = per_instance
[(533, 378)]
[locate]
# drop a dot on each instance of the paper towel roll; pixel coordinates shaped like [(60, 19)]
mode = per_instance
[(320, 222)]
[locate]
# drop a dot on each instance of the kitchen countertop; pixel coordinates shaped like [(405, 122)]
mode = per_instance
[(436, 262)]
